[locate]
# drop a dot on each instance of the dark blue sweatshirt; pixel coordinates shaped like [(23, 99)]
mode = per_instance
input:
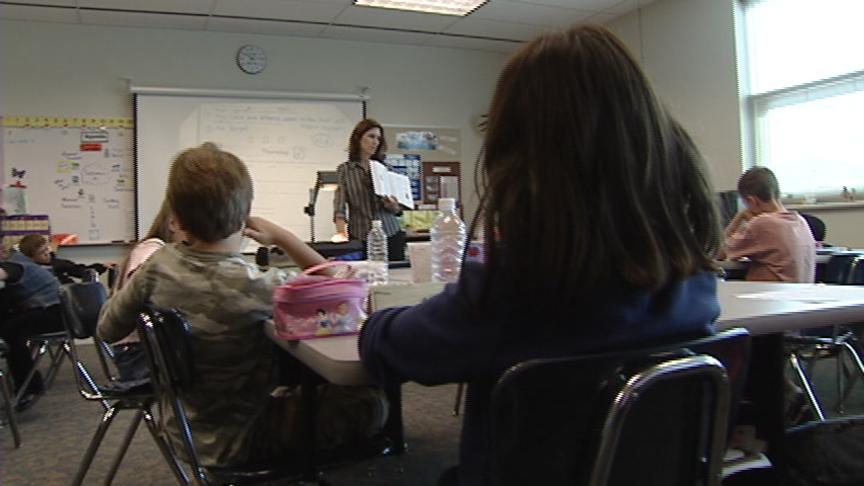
[(444, 340)]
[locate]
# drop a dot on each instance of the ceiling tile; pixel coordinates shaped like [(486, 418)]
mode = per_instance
[(495, 29), (314, 11), (443, 40), (270, 27), (59, 3), (184, 6), (578, 4), (38, 14), (380, 17), (510, 11), (135, 19), (626, 6), (375, 35)]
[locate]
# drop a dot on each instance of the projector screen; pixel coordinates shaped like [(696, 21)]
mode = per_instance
[(283, 141)]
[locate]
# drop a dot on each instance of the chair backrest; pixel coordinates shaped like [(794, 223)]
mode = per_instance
[(167, 343), (839, 268), (648, 416), (817, 226), (81, 303), (856, 274)]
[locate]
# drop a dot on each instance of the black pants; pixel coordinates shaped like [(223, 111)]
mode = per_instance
[(395, 247), (20, 327)]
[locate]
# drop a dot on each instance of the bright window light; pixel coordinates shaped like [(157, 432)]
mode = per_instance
[(803, 88), (444, 7)]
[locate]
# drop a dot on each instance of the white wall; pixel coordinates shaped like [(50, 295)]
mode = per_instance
[(688, 50), (73, 70)]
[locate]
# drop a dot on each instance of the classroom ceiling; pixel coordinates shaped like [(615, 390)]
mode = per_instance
[(499, 25)]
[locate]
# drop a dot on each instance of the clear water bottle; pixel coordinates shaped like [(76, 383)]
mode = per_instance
[(448, 242), (376, 254)]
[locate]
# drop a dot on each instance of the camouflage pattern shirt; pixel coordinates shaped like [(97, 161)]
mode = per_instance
[(225, 299)]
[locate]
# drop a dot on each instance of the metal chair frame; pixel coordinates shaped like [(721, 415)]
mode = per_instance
[(171, 373), (615, 386), (805, 351), (7, 402), (79, 319)]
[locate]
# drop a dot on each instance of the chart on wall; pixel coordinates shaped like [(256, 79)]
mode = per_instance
[(78, 171)]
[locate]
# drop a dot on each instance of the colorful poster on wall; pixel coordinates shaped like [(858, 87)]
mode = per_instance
[(430, 143)]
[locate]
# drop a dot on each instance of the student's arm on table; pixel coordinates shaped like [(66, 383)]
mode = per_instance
[(430, 343)]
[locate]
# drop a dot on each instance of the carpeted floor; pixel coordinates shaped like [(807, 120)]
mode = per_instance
[(57, 430)]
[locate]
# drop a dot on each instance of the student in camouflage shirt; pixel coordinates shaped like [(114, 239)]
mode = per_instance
[(226, 300)]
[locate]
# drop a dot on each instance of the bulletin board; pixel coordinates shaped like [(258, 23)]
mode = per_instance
[(429, 156), (78, 171)]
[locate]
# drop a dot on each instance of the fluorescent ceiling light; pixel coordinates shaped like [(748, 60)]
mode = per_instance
[(444, 7)]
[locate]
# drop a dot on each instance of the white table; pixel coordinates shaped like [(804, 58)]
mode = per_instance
[(761, 307), (821, 259)]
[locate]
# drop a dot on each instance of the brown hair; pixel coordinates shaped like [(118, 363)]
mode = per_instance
[(354, 142), (760, 182), (587, 179), (30, 243), (209, 192), (160, 228)]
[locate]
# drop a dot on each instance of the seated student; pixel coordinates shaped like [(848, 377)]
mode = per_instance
[(778, 242), (605, 230), (226, 301), (128, 353), (33, 303), (38, 249)]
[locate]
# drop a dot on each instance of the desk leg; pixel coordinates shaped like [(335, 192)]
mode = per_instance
[(393, 428), (766, 391), (308, 414)]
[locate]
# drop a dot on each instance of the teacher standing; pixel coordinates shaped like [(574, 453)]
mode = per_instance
[(355, 192)]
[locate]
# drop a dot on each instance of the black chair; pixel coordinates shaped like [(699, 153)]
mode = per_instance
[(832, 342), (658, 416), (7, 401), (81, 303), (817, 226), (166, 338), (50, 344)]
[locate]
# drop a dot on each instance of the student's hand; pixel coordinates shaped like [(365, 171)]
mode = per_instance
[(390, 204), (261, 230)]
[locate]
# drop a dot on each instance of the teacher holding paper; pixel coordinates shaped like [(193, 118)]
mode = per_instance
[(355, 192)]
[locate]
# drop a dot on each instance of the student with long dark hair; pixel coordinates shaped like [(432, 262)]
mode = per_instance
[(604, 233)]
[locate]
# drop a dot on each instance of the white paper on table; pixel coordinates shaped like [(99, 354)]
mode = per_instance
[(816, 294), (388, 183)]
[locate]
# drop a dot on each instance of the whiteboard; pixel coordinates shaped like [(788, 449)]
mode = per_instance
[(82, 178), (283, 142)]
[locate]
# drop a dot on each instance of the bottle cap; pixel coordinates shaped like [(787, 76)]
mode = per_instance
[(446, 204), (376, 223)]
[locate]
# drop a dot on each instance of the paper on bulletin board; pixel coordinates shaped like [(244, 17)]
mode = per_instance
[(431, 143)]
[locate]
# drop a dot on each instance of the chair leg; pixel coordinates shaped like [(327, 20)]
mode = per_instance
[(858, 366), (130, 433), (37, 354), (165, 449), (807, 385), (10, 411), (107, 418), (457, 405)]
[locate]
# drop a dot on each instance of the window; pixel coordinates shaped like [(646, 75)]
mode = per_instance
[(803, 91)]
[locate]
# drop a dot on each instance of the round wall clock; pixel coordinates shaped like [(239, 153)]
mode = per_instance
[(251, 59)]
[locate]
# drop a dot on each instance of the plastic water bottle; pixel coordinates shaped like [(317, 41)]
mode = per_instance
[(448, 242), (376, 254)]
